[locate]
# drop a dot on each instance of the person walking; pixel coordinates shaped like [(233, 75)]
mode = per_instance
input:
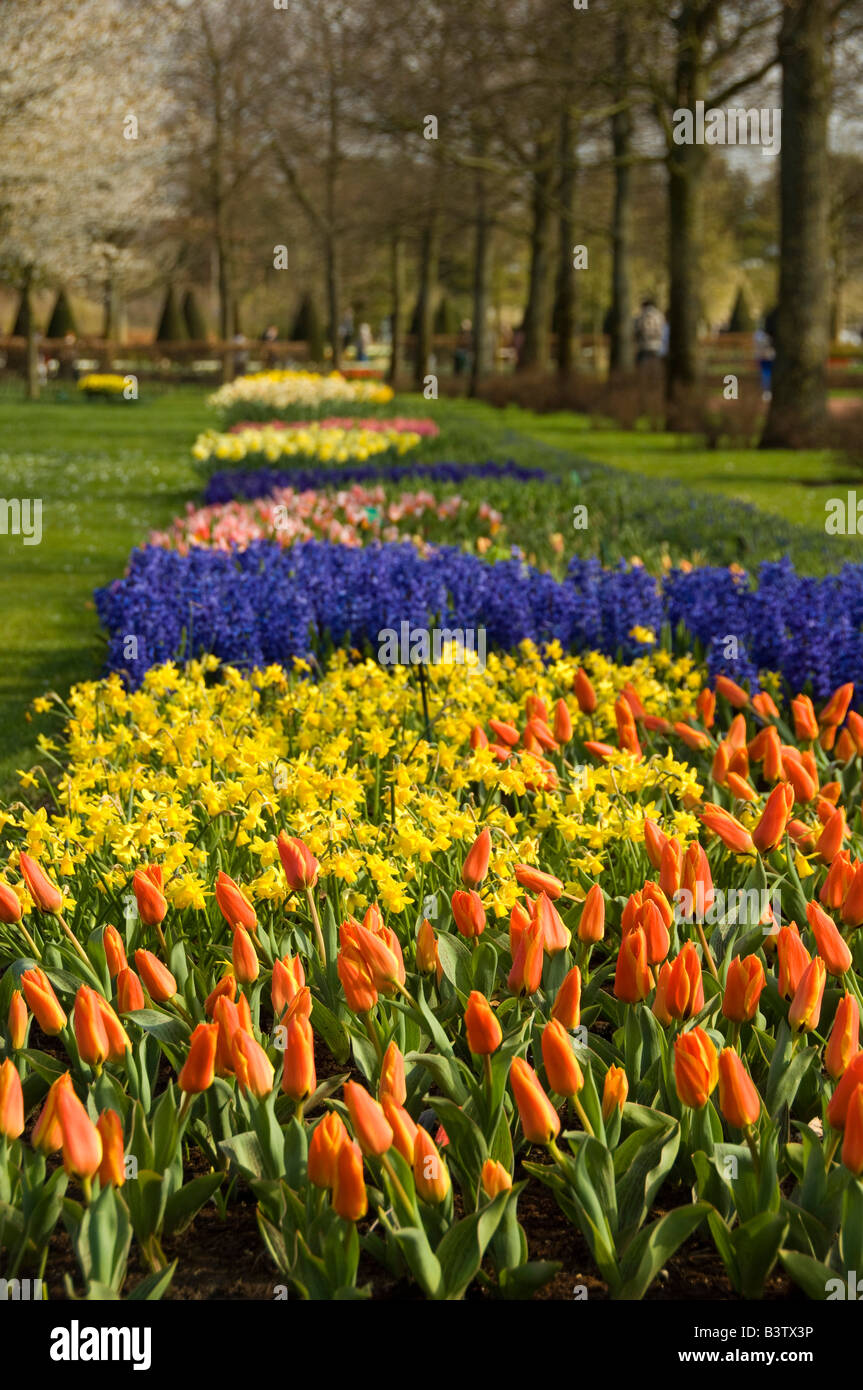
[(650, 332)]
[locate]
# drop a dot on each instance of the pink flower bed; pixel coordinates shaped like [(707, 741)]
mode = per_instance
[(402, 424)]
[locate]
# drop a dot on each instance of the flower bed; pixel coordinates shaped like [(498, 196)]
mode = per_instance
[(322, 443), (262, 395), (390, 956), (108, 384), (228, 484)]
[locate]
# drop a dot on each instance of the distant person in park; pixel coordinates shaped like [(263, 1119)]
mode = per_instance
[(463, 348), (651, 329), (364, 342), (270, 334), (765, 352)]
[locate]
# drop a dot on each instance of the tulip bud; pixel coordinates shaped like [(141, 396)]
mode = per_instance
[(696, 1068), (614, 1092), (561, 1065), (556, 936), (495, 1179), (393, 1075), (10, 904), (324, 1148), (475, 866), (743, 986), (43, 1002), (685, 992), (45, 894), (805, 723), (584, 692), (199, 1069), (428, 961), (535, 881), (234, 905), (793, 959), (226, 988), (738, 1099), (252, 1067), (732, 834), (836, 708), (349, 1190), (115, 951), (844, 1041), (774, 818), (368, 1120), (832, 946), (852, 1147), (90, 1035), (526, 972), (112, 1168), (299, 1078), (152, 903), (81, 1140), (403, 1128), (805, 1010), (431, 1175), (157, 978), (300, 865), (484, 1033), (130, 995), (357, 982), (632, 977), (11, 1101), (562, 727), (469, 913), (288, 978), (245, 962), (837, 1110), (16, 1021), (567, 1005), (839, 878), (539, 1119)]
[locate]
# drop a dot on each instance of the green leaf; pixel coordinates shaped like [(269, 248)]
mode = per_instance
[(818, 1281), (461, 1251), (655, 1245), (153, 1286), (183, 1206), (244, 1152), (168, 1030), (756, 1245)]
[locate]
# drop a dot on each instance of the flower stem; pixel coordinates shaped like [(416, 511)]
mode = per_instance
[(73, 938), (322, 950)]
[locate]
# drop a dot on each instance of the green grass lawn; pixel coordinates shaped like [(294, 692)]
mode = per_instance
[(108, 473)]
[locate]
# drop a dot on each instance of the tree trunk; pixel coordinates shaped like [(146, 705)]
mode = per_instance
[(566, 297), (481, 269), (537, 315), (332, 277), (428, 271), (622, 347), (33, 383), (397, 276), (798, 410), (685, 180), (109, 311)]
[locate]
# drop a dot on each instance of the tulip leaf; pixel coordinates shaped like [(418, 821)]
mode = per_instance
[(644, 1175), (168, 1030), (245, 1153), (461, 1251), (183, 1206), (455, 961), (813, 1277), (756, 1245), (421, 1259), (654, 1246), (153, 1286), (467, 1144)]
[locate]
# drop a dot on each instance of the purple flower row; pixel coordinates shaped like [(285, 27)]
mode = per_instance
[(249, 484)]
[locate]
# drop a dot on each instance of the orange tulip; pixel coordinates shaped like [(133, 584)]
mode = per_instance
[(381, 953), (805, 1010), (831, 945), (368, 1120), (538, 733), (526, 972), (706, 706), (81, 1140), (539, 1120), (836, 708), (495, 1179), (614, 1092), (289, 977), (16, 1020), (584, 692), (736, 696), (45, 894), (732, 834), (357, 982), (115, 951), (47, 1135), (324, 1148), (506, 733), (234, 905), (535, 881), (428, 959), (299, 1078), (831, 837), (112, 1168), (478, 737), (837, 1110), (852, 906), (696, 739), (697, 879), (130, 995), (738, 1099), (475, 866), (245, 962), (118, 1038), (199, 1069), (567, 1005), (393, 1075), (844, 1041), (556, 936), (10, 904), (468, 912), (252, 1067), (403, 1128), (671, 866), (43, 1002), (654, 842), (774, 818), (561, 1065), (591, 926), (562, 727), (839, 878), (226, 988), (632, 976), (157, 978), (300, 865), (11, 1101), (696, 1068), (227, 1016), (653, 925), (152, 903), (349, 1189), (431, 1175), (805, 723), (743, 986), (852, 1146), (484, 1033), (764, 705), (685, 989), (793, 959)]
